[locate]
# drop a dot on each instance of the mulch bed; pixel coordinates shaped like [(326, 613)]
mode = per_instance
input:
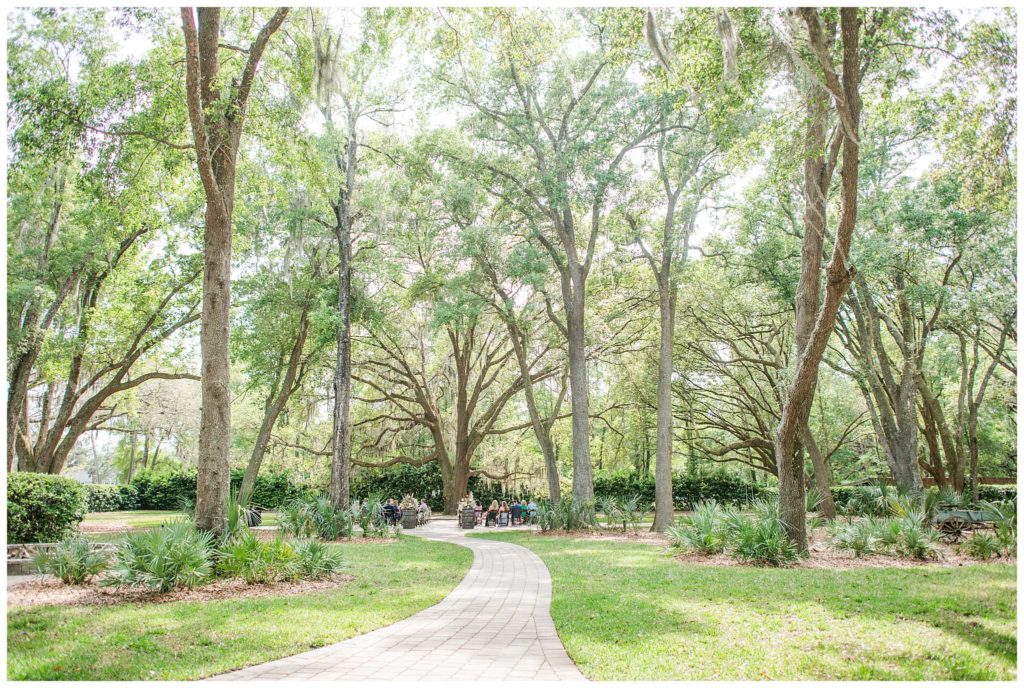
[(822, 556), (49, 591)]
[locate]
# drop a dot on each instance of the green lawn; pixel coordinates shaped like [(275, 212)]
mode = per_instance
[(188, 640), (630, 612), (151, 519)]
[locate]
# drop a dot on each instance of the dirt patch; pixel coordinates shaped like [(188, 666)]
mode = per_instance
[(49, 591)]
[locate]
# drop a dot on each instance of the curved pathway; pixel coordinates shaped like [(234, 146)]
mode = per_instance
[(496, 624)]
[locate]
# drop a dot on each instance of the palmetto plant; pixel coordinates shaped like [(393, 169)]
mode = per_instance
[(73, 560), (172, 556), (702, 531)]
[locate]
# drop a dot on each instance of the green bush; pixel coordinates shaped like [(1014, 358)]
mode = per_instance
[(73, 560), (174, 555), (172, 490), (258, 561), (317, 560), (997, 493), (982, 546), (317, 517), (43, 508), (858, 538), (1004, 520), (568, 515), (703, 531), (760, 538), (687, 490), (112, 497)]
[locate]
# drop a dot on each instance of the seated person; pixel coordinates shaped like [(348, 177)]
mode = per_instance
[(423, 511), (503, 514), (478, 511), (492, 514), (517, 513), (531, 510), (391, 512)]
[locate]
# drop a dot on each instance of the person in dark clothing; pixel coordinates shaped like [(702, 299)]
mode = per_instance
[(517, 513)]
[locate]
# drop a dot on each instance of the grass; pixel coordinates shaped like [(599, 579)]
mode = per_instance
[(189, 640), (631, 612), (141, 520)]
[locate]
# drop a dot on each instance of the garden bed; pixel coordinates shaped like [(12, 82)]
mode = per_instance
[(50, 591)]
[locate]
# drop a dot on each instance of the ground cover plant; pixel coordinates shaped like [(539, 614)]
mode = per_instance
[(189, 640), (629, 611)]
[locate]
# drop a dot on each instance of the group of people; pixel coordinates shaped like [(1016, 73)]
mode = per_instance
[(393, 509), (504, 514)]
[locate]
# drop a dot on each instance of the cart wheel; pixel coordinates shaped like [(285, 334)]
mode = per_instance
[(953, 529)]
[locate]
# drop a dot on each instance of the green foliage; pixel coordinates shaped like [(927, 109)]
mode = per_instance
[(170, 490), (567, 515), (760, 539), (982, 546), (43, 508), (316, 517), (318, 560), (702, 531), (112, 497), (906, 535), (1004, 520), (858, 538), (175, 555), (73, 560), (687, 489), (422, 482), (258, 561)]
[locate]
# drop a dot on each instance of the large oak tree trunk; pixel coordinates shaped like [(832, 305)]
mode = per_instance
[(582, 472), (214, 475), (663, 503), (217, 114), (838, 276)]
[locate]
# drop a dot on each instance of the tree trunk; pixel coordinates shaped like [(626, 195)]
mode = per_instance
[(216, 113), (214, 476), (838, 276), (276, 402), (822, 475), (663, 503), (582, 472), (342, 443), (131, 458)]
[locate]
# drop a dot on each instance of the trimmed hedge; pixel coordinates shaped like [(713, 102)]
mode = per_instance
[(687, 489), (177, 490), (997, 493), (112, 497), (43, 508)]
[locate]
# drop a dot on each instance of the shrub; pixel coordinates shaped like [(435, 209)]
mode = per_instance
[(329, 522), (172, 490), (258, 561), (1004, 515), (917, 539), (112, 497), (43, 508), (997, 493), (628, 512), (317, 560), (762, 541), (172, 556), (567, 515), (982, 546), (858, 538), (687, 489), (73, 560), (293, 519), (703, 531)]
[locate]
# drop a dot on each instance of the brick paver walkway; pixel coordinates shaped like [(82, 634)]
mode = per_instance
[(496, 624)]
